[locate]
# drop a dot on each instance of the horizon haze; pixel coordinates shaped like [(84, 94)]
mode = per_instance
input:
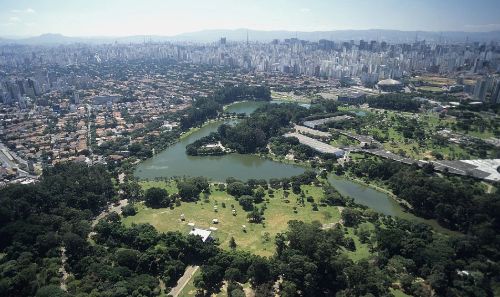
[(113, 18)]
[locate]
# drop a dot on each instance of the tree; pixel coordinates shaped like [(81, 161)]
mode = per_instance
[(129, 210), (246, 202), (351, 217), (238, 189), (235, 290), (232, 243), (211, 278), (259, 195), (288, 289), (190, 189), (132, 191), (51, 291), (76, 246), (255, 216), (156, 197), (127, 257), (234, 274), (259, 271)]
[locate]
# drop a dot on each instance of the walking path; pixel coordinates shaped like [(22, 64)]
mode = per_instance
[(183, 281), (112, 208)]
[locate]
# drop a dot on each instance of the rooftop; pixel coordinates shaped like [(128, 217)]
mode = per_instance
[(388, 82), (204, 234)]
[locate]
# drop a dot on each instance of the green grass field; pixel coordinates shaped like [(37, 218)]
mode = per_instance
[(362, 251), (343, 141), (431, 89), (399, 293), (258, 238)]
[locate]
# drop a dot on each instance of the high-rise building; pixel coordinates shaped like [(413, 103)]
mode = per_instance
[(495, 95), (480, 90), (76, 97)]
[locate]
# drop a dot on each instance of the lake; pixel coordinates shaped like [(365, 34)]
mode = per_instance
[(379, 201), (173, 161)]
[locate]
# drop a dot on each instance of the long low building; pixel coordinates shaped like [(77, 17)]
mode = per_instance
[(315, 123), (316, 144), (306, 130), (482, 168), (485, 169)]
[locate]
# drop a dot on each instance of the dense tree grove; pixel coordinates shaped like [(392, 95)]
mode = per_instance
[(198, 147), (455, 202), (37, 220), (281, 146), (191, 188), (207, 108), (392, 101), (45, 222), (252, 134), (451, 266), (156, 198), (46, 227)]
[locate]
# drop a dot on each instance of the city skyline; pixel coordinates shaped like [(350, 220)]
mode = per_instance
[(169, 18)]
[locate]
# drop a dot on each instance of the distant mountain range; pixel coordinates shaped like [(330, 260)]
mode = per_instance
[(265, 36)]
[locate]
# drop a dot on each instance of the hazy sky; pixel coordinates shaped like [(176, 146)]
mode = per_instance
[(169, 17)]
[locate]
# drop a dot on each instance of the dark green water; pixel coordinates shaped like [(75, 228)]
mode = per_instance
[(244, 107), (173, 161), (378, 201)]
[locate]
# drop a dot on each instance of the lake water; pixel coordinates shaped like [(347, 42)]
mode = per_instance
[(379, 201), (244, 107), (174, 161)]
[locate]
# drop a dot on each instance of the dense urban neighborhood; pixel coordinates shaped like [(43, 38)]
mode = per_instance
[(254, 166)]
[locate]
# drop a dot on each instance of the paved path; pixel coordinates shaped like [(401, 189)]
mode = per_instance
[(182, 282), (112, 208)]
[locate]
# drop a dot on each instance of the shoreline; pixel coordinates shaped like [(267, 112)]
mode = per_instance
[(403, 203)]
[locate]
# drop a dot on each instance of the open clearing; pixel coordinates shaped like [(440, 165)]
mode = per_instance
[(258, 238)]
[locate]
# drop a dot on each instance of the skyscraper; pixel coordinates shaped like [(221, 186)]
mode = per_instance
[(76, 97), (495, 95), (480, 90)]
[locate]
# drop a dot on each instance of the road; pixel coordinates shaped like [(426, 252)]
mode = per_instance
[(182, 282), (9, 158)]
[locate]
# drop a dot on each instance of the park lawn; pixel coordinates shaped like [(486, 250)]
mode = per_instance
[(167, 185), (255, 239), (362, 251), (398, 293), (487, 133), (430, 89), (357, 156), (434, 80), (397, 142), (289, 97), (343, 141)]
